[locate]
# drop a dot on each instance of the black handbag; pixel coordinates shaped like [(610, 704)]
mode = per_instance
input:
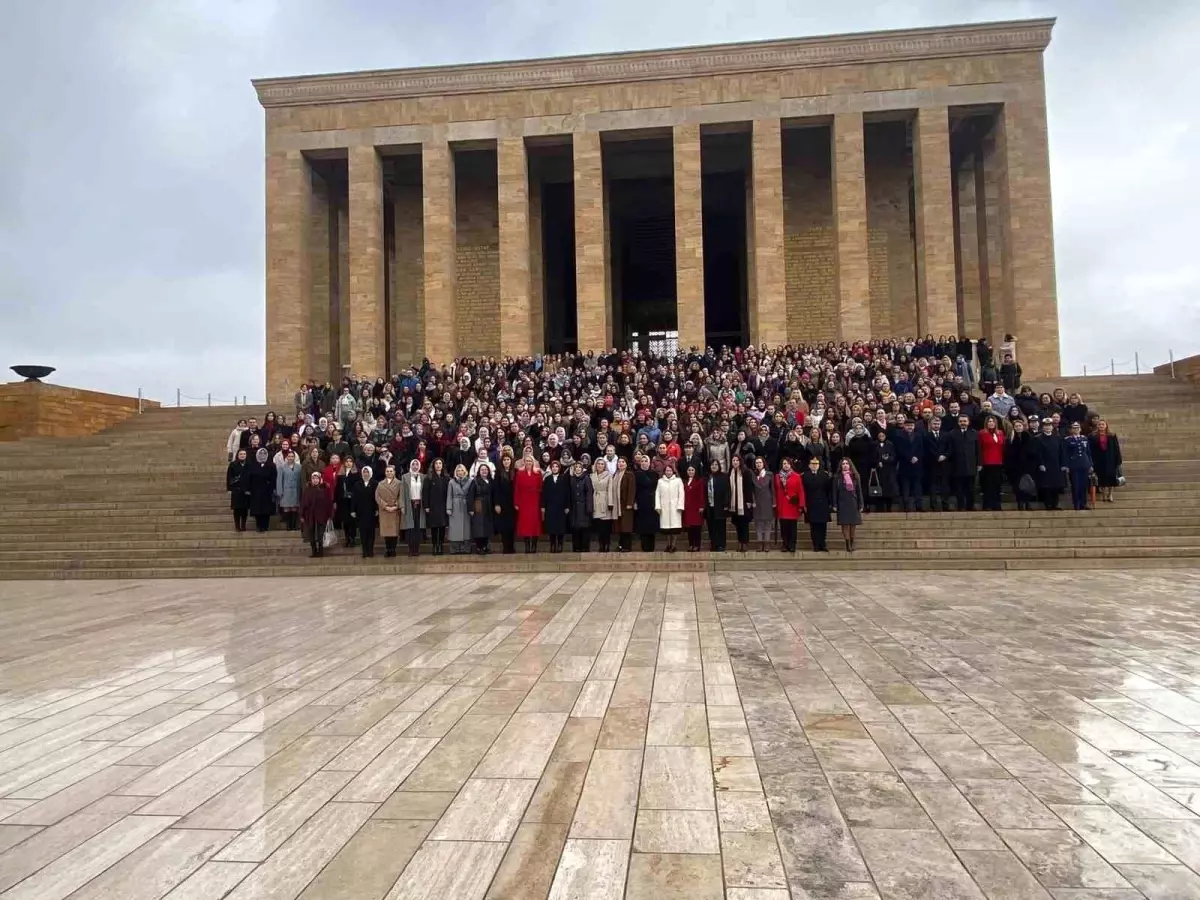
[(874, 488), (1026, 486)]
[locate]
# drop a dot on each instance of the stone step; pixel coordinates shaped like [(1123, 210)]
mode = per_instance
[(805, 561)]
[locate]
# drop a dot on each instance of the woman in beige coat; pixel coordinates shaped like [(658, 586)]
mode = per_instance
[(389, 499), (605, 504)]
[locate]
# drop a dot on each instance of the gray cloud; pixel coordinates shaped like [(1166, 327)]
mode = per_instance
[(131, 245)]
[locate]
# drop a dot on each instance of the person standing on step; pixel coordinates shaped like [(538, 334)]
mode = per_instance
[(365, 510), (391, 510), (1079, 465), (741, 499), (581, 508), (1020, 465), (556, 505), (504, 518), (1051, 458), (668, 503), (287, 490), (963, 444), (604, 504), (1106, 458), (789, 503), (848, 501), (343, 502), (437, 489), (693, 501), (716, 504), (261, 474), (527, 503), (235, 439), (910, 456), (818, 500), (413, 497), (645, 516), (625, 490), (991, 463), (316, 509), (458, 531), (763, 484), (238, 484), (481, 506)]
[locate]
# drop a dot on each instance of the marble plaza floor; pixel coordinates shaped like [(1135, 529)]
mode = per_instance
[(593, 737)]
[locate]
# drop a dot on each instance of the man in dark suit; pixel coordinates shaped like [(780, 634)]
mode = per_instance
[(963, 444), (910, 453), (937, 466)]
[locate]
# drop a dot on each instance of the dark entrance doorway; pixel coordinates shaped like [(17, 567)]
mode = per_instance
[(641, 220), (725, 159)]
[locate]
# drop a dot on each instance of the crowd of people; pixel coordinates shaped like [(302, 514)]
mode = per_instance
[(603, 447)]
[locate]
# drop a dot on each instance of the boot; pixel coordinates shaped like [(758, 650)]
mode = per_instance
[(847, 545)]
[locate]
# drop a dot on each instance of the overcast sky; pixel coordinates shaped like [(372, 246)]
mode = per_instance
[(131, 158)]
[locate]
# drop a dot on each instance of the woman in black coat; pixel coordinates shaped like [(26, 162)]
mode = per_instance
[(504, 520), (343, 502), (433, 499), (260, 480), (580, 517), (364, 509), (481, 505), (887, 471), (848, 501), (1106, 459), (237, 484), (1020, 462), (818, 500), (645, 516), (716, 510), (556, 505), (1050, 457)]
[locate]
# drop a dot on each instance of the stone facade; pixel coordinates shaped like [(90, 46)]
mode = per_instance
[(865, 215)]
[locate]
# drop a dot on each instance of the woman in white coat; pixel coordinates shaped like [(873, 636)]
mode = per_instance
[(668, 501)]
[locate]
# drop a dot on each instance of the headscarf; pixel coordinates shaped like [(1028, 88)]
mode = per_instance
[(367, 473), (261, 456)]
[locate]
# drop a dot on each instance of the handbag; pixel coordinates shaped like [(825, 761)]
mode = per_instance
[(329, 538), (874, 488), (1120, 476), (1027, 486)]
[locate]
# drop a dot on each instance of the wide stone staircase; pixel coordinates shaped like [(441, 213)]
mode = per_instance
[(146, 498)]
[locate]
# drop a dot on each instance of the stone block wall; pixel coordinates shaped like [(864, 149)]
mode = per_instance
[(477, 254), (810, 262), (30, 409)]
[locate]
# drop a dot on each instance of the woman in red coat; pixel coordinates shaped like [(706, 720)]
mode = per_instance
[(789, 503), (991, 463), (695, 495), (527, 501)]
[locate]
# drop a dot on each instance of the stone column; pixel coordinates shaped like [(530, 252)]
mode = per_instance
[(594, 317), (289, 274), (937, 307), (440, 235), (769, 314), (1028, 226), (689, 238), (321, 287), (516, 310), (969, 240), (537, 274), (368, 355), (852, 276)]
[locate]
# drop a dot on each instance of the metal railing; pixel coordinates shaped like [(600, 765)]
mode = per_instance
[(1126, 367)]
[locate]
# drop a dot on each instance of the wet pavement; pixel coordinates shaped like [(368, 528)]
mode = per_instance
[(739, 736)]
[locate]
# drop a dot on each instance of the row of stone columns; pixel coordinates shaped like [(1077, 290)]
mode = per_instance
[(1025, 187)]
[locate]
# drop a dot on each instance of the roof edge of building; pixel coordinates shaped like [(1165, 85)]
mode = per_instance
[(1024, 35)]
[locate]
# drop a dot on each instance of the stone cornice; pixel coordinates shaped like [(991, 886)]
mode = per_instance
[(653, 65)]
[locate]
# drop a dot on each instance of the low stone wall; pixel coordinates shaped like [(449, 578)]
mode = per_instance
[(1187, 369), (33, 409)]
